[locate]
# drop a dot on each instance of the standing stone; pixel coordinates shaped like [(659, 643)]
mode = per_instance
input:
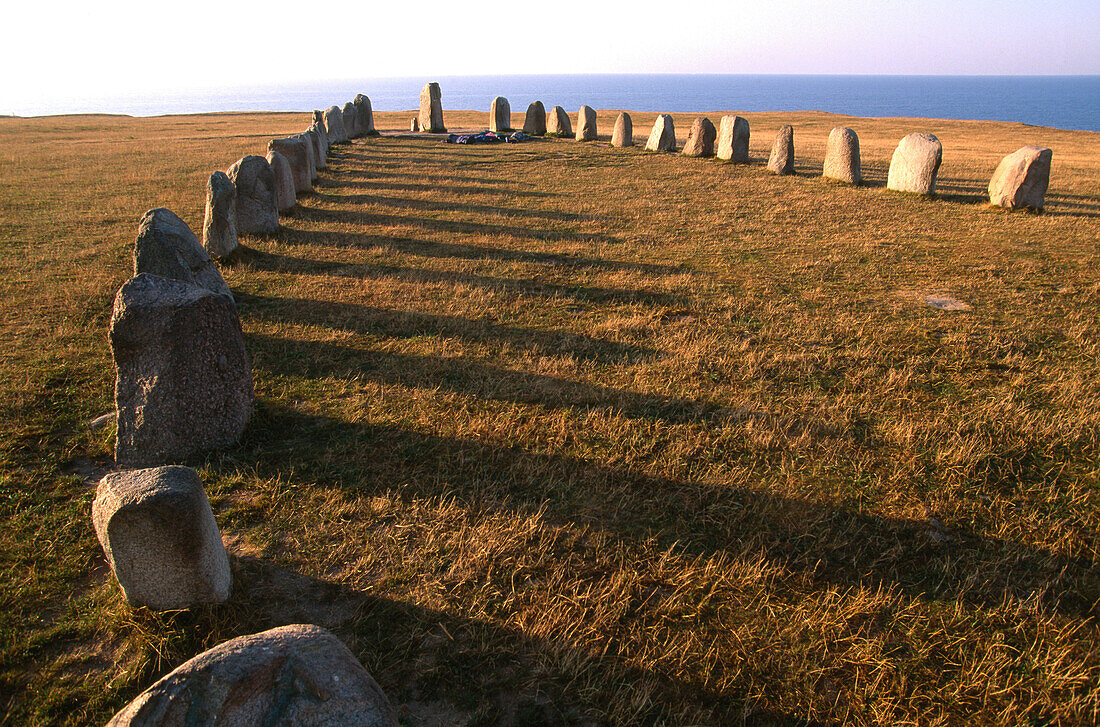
[(291, 676), (219, 227), (166, 246), (586, 124), (183, 382), (320, 145), (842, 156), (285, 192), (334, 125), (319, 118), (296, 149), (558, 124), (623, 135), (414, 125), (663, 135), (304, 136), (500, 115), (915, 163), (733, 139), (1022, 178), (431, 110), (160, 538), (534, 123), (365, 115), (257, 208), (350, 117), (781, 160), (700, 141)]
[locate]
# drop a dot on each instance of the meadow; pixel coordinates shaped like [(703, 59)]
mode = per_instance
[(554, 433)]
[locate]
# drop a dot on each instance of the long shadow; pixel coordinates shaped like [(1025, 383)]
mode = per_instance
[(317, 359), (484, 673), (369, 320), (367, 183), (521, 286), (444, 206), (820, 545), (374, 172), (355, 217)]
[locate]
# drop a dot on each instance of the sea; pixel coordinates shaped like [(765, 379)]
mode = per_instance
[(1065, 102)]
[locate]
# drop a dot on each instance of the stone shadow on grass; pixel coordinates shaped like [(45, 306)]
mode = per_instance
[(370, 320), (820, 545), (445, 206), (519, 286), (442, 669), (318, 359)]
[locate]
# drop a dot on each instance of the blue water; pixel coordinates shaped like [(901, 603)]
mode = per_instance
[(1067, 102)]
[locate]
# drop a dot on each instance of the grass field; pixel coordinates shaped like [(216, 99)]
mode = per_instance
[(554, 433)]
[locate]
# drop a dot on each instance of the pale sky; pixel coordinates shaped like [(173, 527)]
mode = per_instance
[(56, 50)]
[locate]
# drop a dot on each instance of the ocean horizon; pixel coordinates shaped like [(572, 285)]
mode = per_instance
[(1065, 102)]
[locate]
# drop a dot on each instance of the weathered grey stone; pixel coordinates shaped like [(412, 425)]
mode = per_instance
[(781, 160), (183, 382), (915, 163), (623, 134), (285, 193), (350, 116), (557, 123), (334, 125), (219, 227), (431, 110), (733, 139), (365, 115), (291, 676), (842, 156), (534, 123), (318, 139), (257, 208), (663, 135), (159, 535), (414, 125), (1022, 178), (319, 118), (586, 124), (304, 136), (297, 150), (700, 141), (500, 115), (166, 246)]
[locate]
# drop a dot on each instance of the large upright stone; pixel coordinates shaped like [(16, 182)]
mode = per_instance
[(350, 116), (166, 246), (431, 110), (319, 140), (414, 125), (365, 115), (781, 160), (183, 381), (304, 136), (842, 156), (586, 124), (663, 135), (733, 139), (1022, 178), (297, 150), (700, 141), (623, 134), (160, 538), (257, 208), (219, 226), (534, 123), (291, 676), (334, 125), (285, 193), (558, 124), (319, 118), (915, 163), (500, 115)]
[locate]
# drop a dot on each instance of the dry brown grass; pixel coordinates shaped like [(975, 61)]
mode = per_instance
[(553, 433)]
